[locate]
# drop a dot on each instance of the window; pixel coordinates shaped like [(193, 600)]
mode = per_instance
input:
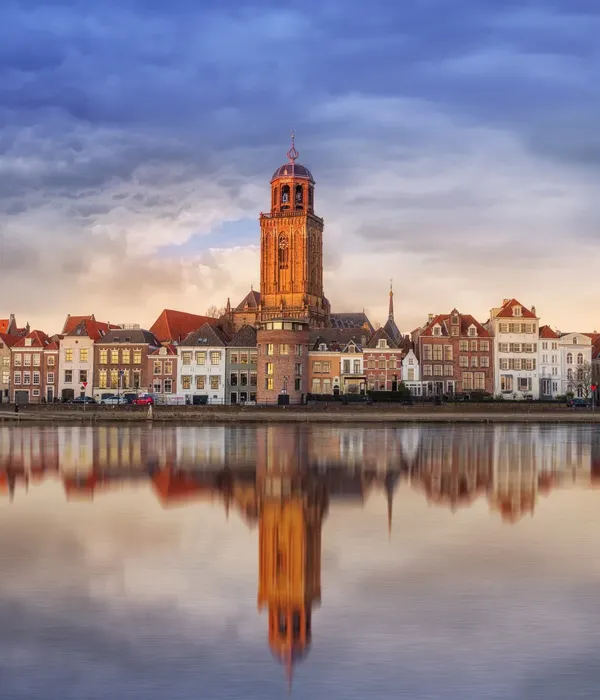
[(569, 358), (484, 345), (114, 357), (269, 349), (474, 362), (437, 352), (68, 376), (437, 370), (125, 384), (126, 356), (356, 366), (463, 361), (299, 350), (467, 380), (201, 357), (17, 378), (554, 346), (326, 367), (298, 384), (544, 346), (186, 358), (381, 363), (544, 359), (83, 354), (515, 364), (454, 330), (102, 379), (515, 347), (253, 381), (137, 357), (579, 358), (504, 363), (243, 358), (157, 367), (316, 386), (233, 378), (484, 361), (269, 368), (36, 359), (524, 384), (35, 392), (516, 310), (6, 361), (284, 349), (411, 374), (243, 378), (427, 370), (5, 377), (317, 367), (371, 363), (27, 360), (463, 346), (503, 347), (479, 381), (448, 352), (156, 386), (506, 383), (472, 331), (114, 378), (448, 370), (427, 352), (17, 359), (382, 343), (26, 378), (437, 330), (50, 378), (391, 362), (473, 346), (554, 387), (253, 358), (186, 381), (555, 371), (168, 366), (233, 358), (503, 327), (298, 369), (83, 376), (168, 386), (575, 340), (200, 381), (269, 383), (346, 366), (527, 328)]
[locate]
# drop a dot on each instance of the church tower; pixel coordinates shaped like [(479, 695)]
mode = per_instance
[(291, 248)]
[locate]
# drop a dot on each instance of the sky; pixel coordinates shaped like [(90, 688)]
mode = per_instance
[(456, 153)]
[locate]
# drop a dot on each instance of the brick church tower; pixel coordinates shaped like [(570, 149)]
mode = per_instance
[(291, 247)]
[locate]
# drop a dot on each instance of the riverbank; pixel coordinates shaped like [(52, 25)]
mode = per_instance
[(460, 413)]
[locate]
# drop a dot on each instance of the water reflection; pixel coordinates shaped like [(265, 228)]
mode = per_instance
[(282, 480)]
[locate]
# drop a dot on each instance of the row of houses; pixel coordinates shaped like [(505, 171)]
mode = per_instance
[(198, 359)]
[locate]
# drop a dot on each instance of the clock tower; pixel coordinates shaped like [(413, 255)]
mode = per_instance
[(291, 248)]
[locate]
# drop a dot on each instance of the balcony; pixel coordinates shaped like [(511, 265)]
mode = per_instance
[(290, 213)]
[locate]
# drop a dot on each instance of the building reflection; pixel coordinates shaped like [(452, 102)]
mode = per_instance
[(282, 480)]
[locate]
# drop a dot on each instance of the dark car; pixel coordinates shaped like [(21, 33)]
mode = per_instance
[(83, 399), (578, 403)]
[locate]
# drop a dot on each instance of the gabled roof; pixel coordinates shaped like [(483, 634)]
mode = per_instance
[(8, 339), (173, 326), (351, 320), (207, 335), (337, 338), (547, 332), (138, 336), (444, 321), (252, 299), (71, 322), (244, 338), (91, 328), (506, 310), (392, 329), (38, 340), (380, 334), (170, 350)]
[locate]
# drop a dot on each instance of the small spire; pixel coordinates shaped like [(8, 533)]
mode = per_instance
[(293, 154), (251, 287), (391, 310)]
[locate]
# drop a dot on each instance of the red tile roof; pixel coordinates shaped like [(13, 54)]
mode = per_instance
[(506, 310), (91, 328), (38, 340), (174, 326), (466, 320), (4, 324), (72, 322), (8, 339), (547, 332)]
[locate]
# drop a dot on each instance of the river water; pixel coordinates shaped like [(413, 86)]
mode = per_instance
[(413, 562)]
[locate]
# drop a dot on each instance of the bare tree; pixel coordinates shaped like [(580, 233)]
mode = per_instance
[(582, 377), (214, 311)]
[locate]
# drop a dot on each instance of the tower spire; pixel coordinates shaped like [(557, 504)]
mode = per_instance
[(391, 310), (293, 154)]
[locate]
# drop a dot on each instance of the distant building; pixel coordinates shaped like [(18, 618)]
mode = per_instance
[(34, 368), (411, 373), (549, 363), (241, 367), (516, 336), (162, 370), (6, 342), (576, 364), (247, 312), (382, 359), (202, 365)]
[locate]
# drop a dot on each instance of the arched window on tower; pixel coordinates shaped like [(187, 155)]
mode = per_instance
[(299, 197), (275, 195), (285, 197), (311, 194), (284, 253)]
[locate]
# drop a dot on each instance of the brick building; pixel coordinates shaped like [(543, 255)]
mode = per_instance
[(162, 370), (121, 361), (241, 374), (6, 342), (282, 359), (456, 354), (34, 368), (382, 359)]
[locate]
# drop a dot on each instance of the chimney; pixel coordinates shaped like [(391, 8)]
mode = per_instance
[(505, 301), (11, 318), (430, 318), (533, 310)]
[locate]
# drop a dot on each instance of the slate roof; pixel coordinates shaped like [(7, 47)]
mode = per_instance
[(135, 336), (350, 320), (380, 334), (171, 350), (244, 338), (392, 330), (173, 326), (207, 335), (252, 299), (337, 338)]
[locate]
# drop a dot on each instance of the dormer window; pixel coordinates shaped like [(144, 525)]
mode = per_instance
[(322, 347), (517, 311), (472, 332), (382, 343), (437, 330), (455, 320), (575, 340)]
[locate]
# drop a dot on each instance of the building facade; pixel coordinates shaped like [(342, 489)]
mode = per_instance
[(283, 346), (241, 367), (411, 373), (549, 363), (576, 364), (121, 361), (162, 370), (291, 244), (34, 369), (516, 336), (202, 366), (382, 358), (6, 342)]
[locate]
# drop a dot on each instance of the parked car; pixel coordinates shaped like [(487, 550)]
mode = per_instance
[(578, 403), (83, 399), (143, 401), (113, 400)]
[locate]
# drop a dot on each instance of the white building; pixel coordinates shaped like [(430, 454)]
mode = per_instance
[(411, 373), (201, 366), (76, 364), (576, 364), (515, 329), (549, 363)]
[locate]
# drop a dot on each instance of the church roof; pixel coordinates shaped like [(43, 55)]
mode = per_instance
[(293, 170), (392, 330), (351, 320), (207, 335), (252, 299), (244, 338)]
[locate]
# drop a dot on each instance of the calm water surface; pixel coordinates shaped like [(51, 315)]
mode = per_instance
[(329, 562)]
